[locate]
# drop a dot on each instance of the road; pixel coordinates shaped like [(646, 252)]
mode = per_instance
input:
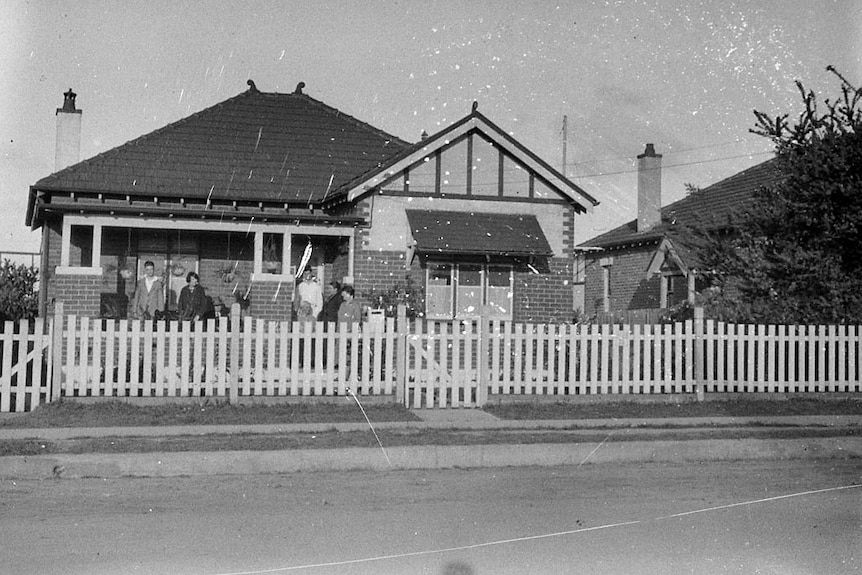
[(790, 517)]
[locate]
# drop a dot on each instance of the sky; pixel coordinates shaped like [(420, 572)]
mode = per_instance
[(682, 74)]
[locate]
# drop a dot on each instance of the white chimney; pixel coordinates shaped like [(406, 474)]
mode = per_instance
[(649, 189), (68, 149)]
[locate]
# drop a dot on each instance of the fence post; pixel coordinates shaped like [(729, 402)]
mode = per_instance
[(235, 329), (698, 358), (56, 367), (482, 359), (401, 329)]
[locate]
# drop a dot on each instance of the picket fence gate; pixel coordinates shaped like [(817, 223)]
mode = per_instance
[(421, 363)]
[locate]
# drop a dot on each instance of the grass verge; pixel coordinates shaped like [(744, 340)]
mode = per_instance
[(634, 409), (122, 414), (394, 438)]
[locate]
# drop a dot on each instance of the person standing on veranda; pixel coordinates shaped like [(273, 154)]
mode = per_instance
[(193, 303), (308, 291), (149, 296)]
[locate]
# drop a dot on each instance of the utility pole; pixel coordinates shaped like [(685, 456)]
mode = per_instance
[(565, 137)]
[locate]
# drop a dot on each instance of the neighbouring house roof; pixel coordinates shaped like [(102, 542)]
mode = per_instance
[(473, 122), (256, 146), (476, 233), (711, 207)]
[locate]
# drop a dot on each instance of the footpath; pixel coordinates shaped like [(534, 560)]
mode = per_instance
[(665, 443)]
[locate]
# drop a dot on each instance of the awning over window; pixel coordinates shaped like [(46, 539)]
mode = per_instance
[(475, 233)]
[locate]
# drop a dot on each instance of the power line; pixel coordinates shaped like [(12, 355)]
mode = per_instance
[(631, 171)]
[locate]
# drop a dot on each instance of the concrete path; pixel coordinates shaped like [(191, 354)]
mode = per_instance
[(613, 449)]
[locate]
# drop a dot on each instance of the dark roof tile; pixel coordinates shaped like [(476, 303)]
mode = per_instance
[(255, 146), (477, 233), (711, 207)]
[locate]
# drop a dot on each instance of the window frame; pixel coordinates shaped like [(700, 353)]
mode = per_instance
[(456, 285)]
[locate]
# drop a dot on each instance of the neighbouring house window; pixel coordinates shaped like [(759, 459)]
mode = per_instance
[(579, 273), (460, 290), (606, 264), (675, 288)]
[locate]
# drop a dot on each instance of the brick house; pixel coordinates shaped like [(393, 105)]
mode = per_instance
[(643, 265), (245, 191)]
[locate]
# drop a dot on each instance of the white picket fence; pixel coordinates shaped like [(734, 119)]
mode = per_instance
[(421, 363), (25, 364)]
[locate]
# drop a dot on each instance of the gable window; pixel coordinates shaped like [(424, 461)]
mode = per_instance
[(460, 290)]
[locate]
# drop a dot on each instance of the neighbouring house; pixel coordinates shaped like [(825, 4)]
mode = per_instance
[(249, 190), (643, 264)]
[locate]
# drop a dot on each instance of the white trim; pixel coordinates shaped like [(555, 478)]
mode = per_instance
[(65, 243), (271, 278), (97, 245), (351, 255), (77, 271), (258, 253), (366, 185), (204, 225)]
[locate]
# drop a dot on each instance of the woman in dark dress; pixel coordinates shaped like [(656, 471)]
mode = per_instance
[(193, 301), (331, 301)]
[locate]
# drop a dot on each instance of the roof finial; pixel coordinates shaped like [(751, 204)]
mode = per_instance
[(475, 105), (299, 88), (251, 86)]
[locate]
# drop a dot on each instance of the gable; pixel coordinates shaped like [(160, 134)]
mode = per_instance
[(472, 158)]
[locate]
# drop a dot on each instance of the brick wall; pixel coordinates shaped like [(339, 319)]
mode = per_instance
[(629, 287), (81, 295), (544, 297), (383, 270)]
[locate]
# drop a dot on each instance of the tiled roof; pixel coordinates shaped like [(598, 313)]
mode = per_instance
[(470, 233), (255, 146), (710, 207)]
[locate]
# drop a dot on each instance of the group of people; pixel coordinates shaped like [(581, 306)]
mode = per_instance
[(335, 304), (149, 300)]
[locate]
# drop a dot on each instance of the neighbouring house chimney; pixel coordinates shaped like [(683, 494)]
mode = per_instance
[(649, 189), (68, 150)]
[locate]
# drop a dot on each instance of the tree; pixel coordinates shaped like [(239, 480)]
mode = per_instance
[(19, 298), (794, 256)]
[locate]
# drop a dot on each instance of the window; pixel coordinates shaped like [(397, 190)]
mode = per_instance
[(438, 291), (460, 290), (469, 295), (273, 253), (80, 247), (500, 290), (81, 250)]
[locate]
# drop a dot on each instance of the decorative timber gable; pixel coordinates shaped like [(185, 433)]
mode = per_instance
[(473, 158)]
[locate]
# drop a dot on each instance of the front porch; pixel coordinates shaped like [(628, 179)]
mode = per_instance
[(253, 264)]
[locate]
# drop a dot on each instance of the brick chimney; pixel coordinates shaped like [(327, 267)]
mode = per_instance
[(68, 150), (649, 189)]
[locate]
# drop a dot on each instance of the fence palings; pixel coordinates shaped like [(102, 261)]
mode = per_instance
[(108, 358), (24, 365), (425, 363)]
